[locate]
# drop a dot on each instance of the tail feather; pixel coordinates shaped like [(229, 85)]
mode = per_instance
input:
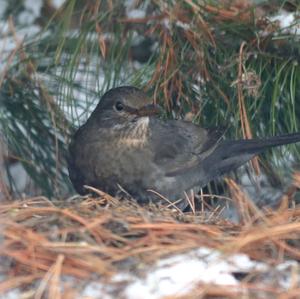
[(256, 146), (231, 154)]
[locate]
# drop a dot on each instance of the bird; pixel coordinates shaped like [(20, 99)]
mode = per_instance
[(126, 144)]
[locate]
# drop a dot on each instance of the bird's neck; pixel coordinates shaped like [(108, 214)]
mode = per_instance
[(133, 134)]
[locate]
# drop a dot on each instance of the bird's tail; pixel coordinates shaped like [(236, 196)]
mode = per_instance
[(231, 154), (256, 146)]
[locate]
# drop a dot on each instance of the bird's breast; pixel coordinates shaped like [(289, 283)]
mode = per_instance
[(135, 134)]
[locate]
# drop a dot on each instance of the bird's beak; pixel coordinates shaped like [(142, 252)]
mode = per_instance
[(148, 110)]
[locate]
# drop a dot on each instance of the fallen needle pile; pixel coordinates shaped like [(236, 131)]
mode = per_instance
[(48, 247)]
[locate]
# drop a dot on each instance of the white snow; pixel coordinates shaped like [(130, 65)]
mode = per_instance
[(287, 21), (180, 274), (13, 294), (133, 12), (32, 10), (34, 6), (3, 6), (136, 13), (58, 3), (95, 290), (9, 42)]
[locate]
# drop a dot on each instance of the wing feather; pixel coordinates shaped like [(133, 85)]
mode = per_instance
[(179, 145)]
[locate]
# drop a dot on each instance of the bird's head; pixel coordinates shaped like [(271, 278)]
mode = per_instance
[(124, 104)]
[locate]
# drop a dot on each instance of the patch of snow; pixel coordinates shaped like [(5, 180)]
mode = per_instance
[(287, 269), (179, 274), (26, 17), (136, 13), (3, 27), (20, 176), (132, 12), (58, 3), (287, 21), (94, 290), (182, 25), (166, 23), (88, 81), (32, 10), (34, 6), (3, 7), (29, 31), (8, 42), (13, 294)]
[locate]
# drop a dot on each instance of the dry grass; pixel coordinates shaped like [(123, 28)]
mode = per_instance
[(44, 241)]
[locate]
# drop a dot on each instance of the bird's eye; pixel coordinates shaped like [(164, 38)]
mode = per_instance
[(119, 106)]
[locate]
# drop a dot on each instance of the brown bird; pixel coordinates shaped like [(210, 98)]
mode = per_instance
[(124, 143)]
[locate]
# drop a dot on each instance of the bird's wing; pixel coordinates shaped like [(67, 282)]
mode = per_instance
[(179, 145)]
